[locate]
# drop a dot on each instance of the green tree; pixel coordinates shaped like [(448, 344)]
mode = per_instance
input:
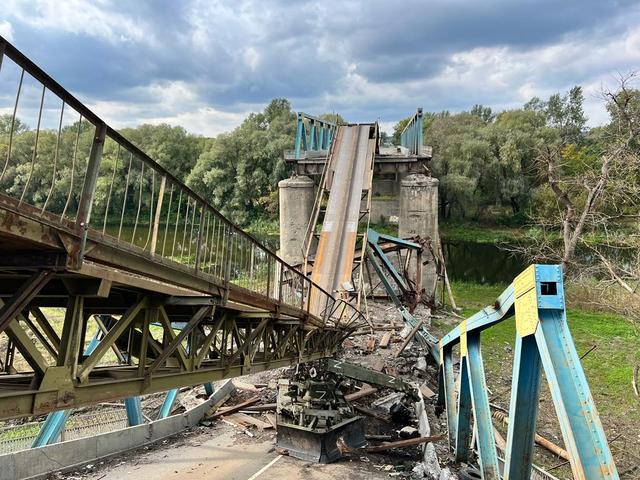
[(172, 147), (238, 172)]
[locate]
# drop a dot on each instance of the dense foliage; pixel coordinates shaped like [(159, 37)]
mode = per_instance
[(237, 172)]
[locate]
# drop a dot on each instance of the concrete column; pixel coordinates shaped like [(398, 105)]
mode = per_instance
[(296, 205), (419, 216)]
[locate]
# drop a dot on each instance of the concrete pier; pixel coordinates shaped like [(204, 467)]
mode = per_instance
[(419, 216), (296, 205)]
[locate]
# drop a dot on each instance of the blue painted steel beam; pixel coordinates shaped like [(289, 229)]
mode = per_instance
[(208, 387), (580, 424), (463, 424), (319, 136), (523, 409), (51, 428), (54, 424), (485, 439), (167, 404), (134, 411), (447, 395), (423, 334), (543, 341), (411, 136)]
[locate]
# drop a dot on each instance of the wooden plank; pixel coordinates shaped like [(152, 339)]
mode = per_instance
[(247, 387), (249, 420), (426, 391), (386, 338), (235, 408), (409, 337), (272, 419), (404, 443), (360, 394), (265, 407)]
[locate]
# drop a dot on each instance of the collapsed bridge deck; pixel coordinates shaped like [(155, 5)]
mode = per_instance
[(177, 294)]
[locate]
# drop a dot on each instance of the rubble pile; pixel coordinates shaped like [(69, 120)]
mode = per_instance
[(368, 405)]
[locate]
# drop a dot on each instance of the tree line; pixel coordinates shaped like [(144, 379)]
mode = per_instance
[(237, 172)]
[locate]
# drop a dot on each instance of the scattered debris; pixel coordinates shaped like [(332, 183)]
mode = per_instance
[(363, 392), (426, 391), (235, 408), (409, 337), (386, 338)]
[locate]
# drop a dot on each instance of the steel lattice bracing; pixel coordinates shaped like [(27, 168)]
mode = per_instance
[(543, 343), (123, 247)]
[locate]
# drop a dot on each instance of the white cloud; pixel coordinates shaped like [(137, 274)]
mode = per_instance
[(6, 30), (175, 103), (96, 19)]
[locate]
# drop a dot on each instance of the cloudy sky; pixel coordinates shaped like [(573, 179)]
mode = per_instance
[(205, 64)]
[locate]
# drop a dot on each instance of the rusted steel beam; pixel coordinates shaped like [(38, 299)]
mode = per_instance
[(27, 291)]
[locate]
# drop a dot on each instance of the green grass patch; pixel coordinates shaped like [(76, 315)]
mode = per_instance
[(386, 228), (608, 367), (478, 233)]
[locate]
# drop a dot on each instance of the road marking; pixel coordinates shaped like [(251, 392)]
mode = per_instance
[(265, 468)]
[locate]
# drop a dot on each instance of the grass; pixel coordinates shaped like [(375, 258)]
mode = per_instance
[(608, 367), (478, 233)]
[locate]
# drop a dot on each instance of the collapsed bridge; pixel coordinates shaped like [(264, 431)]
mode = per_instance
[(173, 292), (160, 290)]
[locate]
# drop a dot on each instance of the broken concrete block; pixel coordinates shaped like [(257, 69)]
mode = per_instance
[(408, 432)]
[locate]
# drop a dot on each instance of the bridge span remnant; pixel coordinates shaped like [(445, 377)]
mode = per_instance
[(94, 230)]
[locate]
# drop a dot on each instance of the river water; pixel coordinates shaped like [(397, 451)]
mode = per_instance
[(481, 263)]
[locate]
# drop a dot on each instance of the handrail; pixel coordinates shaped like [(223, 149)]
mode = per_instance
[(319, 137), (171, 221), (411, 136), (543, 343)]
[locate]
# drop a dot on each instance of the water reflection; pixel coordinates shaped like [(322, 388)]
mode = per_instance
[(481, 263)]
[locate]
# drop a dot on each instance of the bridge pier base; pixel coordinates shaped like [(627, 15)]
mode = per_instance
[(419, 216), (296, 205)]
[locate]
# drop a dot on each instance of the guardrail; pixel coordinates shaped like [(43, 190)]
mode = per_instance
[(411, 136), (543, 342), (74, 171), (313, 134)]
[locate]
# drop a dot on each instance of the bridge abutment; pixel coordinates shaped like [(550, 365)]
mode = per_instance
[(296, 197), (419, 216)]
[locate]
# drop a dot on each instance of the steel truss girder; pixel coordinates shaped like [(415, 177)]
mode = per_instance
[(218, 343), (543, 343)]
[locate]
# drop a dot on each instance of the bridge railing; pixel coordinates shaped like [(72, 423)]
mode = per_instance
[(411, 136), (62, 164), (313, 135), (543, 343)]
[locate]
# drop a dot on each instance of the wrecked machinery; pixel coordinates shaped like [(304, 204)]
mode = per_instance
[(313, 416)]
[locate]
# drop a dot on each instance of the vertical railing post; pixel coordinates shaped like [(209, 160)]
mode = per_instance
[(200, 234), (300, 136), (88, 190), (156, 220)]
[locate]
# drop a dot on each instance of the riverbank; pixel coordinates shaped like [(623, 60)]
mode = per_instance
[(609, 344)]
